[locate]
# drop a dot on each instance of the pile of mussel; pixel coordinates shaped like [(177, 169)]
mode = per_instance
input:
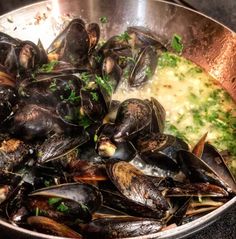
[(77, 164)]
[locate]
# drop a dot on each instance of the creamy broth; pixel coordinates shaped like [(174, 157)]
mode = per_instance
[(194, 103)]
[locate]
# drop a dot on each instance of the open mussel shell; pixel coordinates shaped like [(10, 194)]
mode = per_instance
[(31, 55), (68, 112), (76, 44), (60, 145), (142, 36), (93, 31), (112, 71), (199, 171), (196, 190), (93, 104), (158, 116), (116, 46), (136, 186), (50, 89), (133, 115), (160, 150), (120, 227), (107, 148), (34, 121), (144, 67), (16, 205), (58, 42), (83, 170), (182, 207), (47, 225), (214, 159), (115, 200), (13, 152), (87, 197), (4, 192), (78, 192)]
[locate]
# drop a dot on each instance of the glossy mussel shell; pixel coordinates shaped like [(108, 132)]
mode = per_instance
[(199, 171), (133, 184), (120, 227)]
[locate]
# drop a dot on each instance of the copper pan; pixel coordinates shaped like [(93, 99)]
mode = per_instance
[(208, 43)]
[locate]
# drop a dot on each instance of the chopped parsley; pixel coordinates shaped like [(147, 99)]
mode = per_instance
[(103, 82), (170, 128), (167, 60), (84, 121), (53, 86), (68, 118), (47, 183), (103, 19), (85, 77), (52, 201), (176, 43), (95, 96), (193, 98), (47, 68), (62, 207), (148, 71), (95, 138), (124, 36), (37, 212), (41, 212), (73, 98)]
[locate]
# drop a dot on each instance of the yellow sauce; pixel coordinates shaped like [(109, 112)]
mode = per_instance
[(194, 102)]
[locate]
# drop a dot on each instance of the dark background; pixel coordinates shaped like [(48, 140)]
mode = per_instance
[(225, 12)]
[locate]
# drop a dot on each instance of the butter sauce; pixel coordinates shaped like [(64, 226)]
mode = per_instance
[(194, 103)]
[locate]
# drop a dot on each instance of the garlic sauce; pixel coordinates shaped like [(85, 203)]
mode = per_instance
[(194, 103)]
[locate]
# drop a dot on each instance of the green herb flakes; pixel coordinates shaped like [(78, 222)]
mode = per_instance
[(84, 121), (62, 207), (53, 86), (124, 36), (103, 19), (103, 82), (176, 43), (37, 212), (52, 201), (73, 98), (47, 68), (47, 183), (85, 77), (148, 72), (167, 60), (95, 96), (95, 138)]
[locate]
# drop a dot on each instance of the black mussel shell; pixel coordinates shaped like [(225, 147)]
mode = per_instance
[(93, 31), (199, 171), (120, 227), (135, 185), (133, 115), (144, 67), (195, 189), (76, 45), (34, 121), (115, 200), (93, 104), (142, 36), (59, 145), (47, 225), (214, 159), (50, 89), (88, 196), (158, 116), (12, 154)]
